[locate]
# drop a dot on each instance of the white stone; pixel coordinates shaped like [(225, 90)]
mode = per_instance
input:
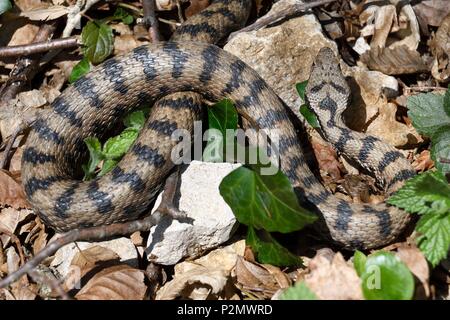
[(213, 221)]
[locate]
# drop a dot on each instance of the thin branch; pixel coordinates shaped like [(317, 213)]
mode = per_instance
[(38, 47), (25, 68), (150, 20), (292, 10)]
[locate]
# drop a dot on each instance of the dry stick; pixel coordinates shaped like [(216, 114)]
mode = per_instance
[(25, 68), (150, 20), (51, 281), (38, 47), (89, 234), (293, 9)]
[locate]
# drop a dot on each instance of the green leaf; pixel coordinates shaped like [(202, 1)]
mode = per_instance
[(79, 70), (136, 119), (5, 5), (304, 110), (122, 14), (97, 38), (301, 89), (95, 156), (117, 146), (298, 292), (309, 116), (107, 166), (419, 192), (434, 241), (359, 262), (264, 201), (440, 150), (214, 149), (427, 113), (221, 117), (269, 251), (447, 101), (385, 277)]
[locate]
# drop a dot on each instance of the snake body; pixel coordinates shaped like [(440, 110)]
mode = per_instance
[(94, 103)]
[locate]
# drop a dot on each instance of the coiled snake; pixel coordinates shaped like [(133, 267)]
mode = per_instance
[(94, 103)]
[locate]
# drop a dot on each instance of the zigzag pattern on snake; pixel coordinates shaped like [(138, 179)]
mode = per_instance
[(94, 103)]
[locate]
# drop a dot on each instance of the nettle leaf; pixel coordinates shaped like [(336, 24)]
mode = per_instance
[(427, 113), (136, 119), (440, 150), (269, 251), (264, 201), (434, 241), (98, 41), (79, 70), (122, 14), (5, 5), (95, 156), (385, 277), (117, 146), (419, 192), (298, 292)]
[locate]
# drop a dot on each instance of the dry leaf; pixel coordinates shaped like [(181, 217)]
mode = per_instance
[(260, 280), (86, 260), (398, 60), (115, 283), (195, 7), (386, 127), (206, 277), (423, 162), (327, 158), (45, 14), (333, 279), (11, 192), (200, 283), (25, 5), (440, 48), (416, 262), (9, 219), (23, 35), (165, 5)]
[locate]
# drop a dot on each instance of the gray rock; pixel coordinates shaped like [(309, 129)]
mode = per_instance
[(213, 221), (282, 54)]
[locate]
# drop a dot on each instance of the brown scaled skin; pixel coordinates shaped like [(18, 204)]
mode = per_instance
[(96, 101)]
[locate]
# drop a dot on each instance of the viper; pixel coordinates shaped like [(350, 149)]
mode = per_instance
[(171, 71)]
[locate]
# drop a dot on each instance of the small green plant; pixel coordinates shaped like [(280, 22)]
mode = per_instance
[(98, 42), (428, 195), (114, 148), (264, 203), (298, 292), (384, 276)]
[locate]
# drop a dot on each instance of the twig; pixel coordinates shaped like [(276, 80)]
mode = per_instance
[(150, 20), (9, 145), (51, 281), (38, 47), (292, 10), (25, 68)]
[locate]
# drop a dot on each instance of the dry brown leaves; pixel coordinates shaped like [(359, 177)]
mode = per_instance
[(11, 192), (440, 48), (260, 281), (115, 283), (208, 277)]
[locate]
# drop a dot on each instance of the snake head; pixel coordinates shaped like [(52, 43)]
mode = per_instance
[(327, 88)]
